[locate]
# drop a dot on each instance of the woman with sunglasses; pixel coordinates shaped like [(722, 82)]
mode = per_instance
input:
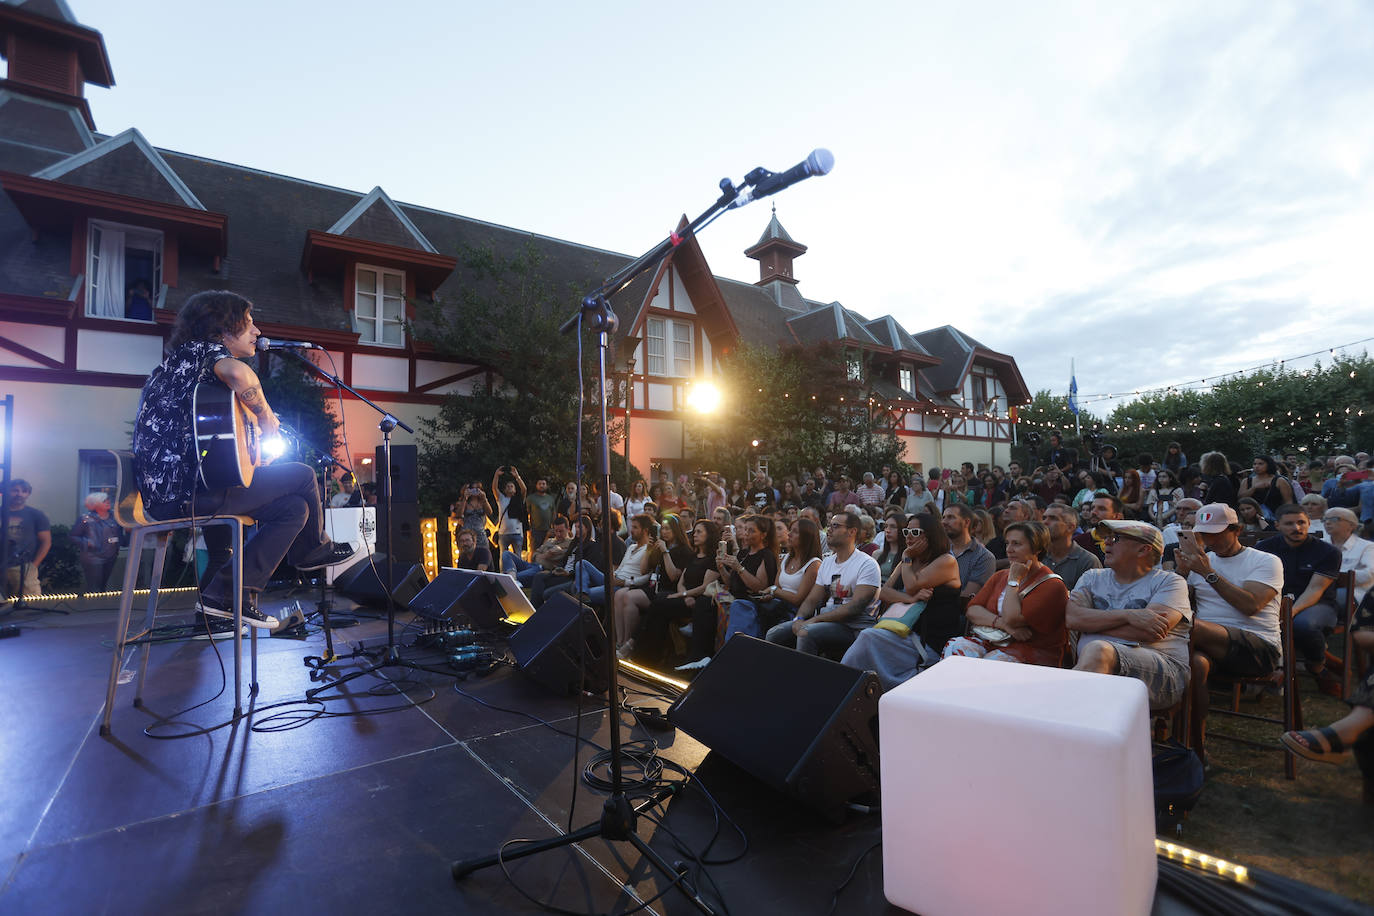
[(1018, 616), (921, 608)]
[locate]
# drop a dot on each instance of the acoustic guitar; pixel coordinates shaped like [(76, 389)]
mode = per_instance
[(228, 439)]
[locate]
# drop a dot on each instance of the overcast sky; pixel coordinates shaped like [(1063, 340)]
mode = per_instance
[(1161, 191)]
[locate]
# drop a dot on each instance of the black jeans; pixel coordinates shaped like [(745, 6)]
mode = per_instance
[(284, 501)]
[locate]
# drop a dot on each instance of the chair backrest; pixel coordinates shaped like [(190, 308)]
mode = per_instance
[(1286, 640), (128, 502), (1346, 580)]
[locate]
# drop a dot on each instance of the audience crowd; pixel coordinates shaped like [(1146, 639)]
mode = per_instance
[(1158, 569)]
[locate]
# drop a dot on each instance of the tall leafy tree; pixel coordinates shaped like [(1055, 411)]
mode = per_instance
[(522, 408)]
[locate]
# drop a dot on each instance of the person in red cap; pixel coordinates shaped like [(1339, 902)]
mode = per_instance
[(1236, 625)]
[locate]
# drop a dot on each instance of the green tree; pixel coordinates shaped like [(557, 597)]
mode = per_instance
[(1045, 414), (506, 315), (1307, 412), (804, 406)]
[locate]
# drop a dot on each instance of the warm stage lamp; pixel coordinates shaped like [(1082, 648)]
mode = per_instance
[(703, 397)]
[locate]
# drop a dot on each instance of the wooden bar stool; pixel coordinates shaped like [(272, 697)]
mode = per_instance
[(130, 514)]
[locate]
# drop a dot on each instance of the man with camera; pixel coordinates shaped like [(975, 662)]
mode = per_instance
[(510, 523)]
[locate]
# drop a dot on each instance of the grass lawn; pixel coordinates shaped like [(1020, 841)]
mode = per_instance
[(1315, 829)]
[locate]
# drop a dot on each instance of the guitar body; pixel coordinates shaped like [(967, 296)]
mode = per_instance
[(227, 438)]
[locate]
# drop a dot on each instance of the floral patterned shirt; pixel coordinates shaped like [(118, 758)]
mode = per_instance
[(164, 439)]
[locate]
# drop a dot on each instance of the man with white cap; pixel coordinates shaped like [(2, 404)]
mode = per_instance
[(1236, 625), (1132, 616)]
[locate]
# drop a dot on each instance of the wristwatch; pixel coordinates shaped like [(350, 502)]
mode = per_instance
[(1211, 578)]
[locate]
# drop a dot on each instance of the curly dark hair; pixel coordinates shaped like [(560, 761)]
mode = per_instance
[(209, 315)]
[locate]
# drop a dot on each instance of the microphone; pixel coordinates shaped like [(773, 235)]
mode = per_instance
[(820, 162), (267, 343)]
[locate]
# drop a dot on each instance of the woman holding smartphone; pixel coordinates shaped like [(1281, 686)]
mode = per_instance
[(687, 601)]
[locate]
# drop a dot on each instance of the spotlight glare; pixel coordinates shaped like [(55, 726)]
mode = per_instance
[(703, 397)]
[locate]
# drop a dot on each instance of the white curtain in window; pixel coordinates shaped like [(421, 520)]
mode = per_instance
[(109, 276)]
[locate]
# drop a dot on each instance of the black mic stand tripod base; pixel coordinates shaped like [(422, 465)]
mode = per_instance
[(618, 816)]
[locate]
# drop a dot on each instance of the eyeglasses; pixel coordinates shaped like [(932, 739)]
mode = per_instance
[(1328, 519), (834, 525), (913, 532), (1113, 538)]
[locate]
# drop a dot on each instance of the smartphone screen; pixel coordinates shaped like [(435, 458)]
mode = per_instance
[(720, 550)]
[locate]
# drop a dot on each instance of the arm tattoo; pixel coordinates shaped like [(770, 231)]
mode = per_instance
[(252, 399)]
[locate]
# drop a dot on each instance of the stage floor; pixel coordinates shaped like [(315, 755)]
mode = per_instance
[(346, 812)]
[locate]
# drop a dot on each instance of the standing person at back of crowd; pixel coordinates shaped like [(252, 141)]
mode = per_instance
[(1266, 486), (540, 505), (1174, 459), (97, 534), (1216, 479), (511, 515)]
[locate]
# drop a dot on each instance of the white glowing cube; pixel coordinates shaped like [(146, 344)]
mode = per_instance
[(1012, 788)]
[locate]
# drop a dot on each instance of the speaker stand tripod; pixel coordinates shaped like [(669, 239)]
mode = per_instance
[(618, 816)]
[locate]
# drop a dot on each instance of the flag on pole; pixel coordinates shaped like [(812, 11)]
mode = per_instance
[(1073, 394)]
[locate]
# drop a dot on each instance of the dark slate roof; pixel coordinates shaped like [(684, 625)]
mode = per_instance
[(759, 320), (125, 164), (955, 354), (52, 9), (891, 334), (773, 231), (35, 122), (377, 218)]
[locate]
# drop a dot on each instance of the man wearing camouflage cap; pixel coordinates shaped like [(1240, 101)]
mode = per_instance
[(1134, 617)]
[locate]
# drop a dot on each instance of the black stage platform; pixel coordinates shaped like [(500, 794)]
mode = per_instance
[(350, 813)]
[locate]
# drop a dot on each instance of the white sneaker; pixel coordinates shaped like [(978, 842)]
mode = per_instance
[(625, 651), (694, 666), (685, 629)]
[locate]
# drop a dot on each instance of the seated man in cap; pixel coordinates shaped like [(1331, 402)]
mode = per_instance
[(1133, 617), (1236, 626)]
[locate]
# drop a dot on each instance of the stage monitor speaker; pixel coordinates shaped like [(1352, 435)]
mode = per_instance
[(562, 646), (365, 582), (816, 739), (460, 592), (405, 480), (405, 530)]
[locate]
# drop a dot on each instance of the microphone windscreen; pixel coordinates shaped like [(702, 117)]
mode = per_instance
[(264, 343), (820, 162)]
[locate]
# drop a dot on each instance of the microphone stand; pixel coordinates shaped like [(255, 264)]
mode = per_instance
[(618, 815), (391, 655)]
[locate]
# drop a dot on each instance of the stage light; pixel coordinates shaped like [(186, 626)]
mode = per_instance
[(429, 537), (274, 446), (703, 397), (365, 462), (1201, 860)]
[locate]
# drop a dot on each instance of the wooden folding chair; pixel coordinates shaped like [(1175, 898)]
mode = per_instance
[(1287, 677)]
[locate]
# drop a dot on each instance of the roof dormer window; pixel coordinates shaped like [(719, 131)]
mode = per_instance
[(123, 271)]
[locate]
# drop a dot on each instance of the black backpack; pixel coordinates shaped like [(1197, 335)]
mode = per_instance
[(1178, 785)]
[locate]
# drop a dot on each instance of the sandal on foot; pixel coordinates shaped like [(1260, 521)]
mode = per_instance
[(1320, 744)]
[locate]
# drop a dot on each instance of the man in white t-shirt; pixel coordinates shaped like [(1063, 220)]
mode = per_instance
[(835, 611), (1236, 626), (1133, 617)]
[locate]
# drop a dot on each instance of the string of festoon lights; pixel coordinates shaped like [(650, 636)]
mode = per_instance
[(1211, 381), (1204, 385), (1265, 421)]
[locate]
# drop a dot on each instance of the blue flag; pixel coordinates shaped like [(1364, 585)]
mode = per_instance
[(1073, 395)]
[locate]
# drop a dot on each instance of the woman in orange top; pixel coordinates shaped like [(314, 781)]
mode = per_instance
[(1018, 615)]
